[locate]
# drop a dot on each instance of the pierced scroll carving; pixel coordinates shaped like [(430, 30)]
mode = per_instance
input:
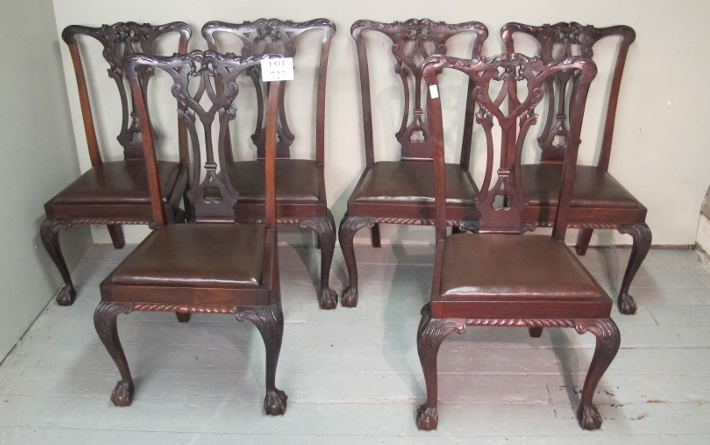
[(119, 41), (559, 41), (502, 203), (277, 37), (213, 77), (412, 42)]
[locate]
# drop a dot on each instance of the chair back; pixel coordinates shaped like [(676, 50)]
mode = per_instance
[(277, 37), (560, 41), (119, 41), (506, 119), (412, 42), (205, 86)]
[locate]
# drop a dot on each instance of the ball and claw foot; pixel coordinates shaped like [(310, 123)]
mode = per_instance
[(328, 299), (122, 395), (427, 418), (589, 418), (626, 304), (66, 295), (275, 402), (349, 298)]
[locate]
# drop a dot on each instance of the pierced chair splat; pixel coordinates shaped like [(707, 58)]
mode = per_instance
[(300, 183), (402, 192), (114, 192), (500, 277), (211, 265), (599, 201)]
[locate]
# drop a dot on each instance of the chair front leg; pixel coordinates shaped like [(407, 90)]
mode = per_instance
[(105, 324), (49, 232), (608, 341), (325, 230), (348, 227), (269, 321), (430, 335), (641, 234)]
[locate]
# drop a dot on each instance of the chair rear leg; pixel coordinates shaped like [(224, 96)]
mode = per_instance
[(430, 335), (269, 320), (535, 332), (116, 233), (348, 227), (49, 232), (105, 324), (585, 235), (375, 235), (608, 341)]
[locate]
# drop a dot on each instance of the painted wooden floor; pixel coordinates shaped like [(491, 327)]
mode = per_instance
[(353, 376)]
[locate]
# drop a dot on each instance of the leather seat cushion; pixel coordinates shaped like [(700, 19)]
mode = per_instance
[(296, 180), (513, 266), (593, 187), (119, 182), (196, 255), (412, 181)]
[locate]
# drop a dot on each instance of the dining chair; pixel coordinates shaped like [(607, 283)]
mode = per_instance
[(402, 191), (499, 276), (300, 183), (599, 201), (211, 265), (114, 192)]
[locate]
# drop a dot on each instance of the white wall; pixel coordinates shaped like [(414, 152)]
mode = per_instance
[(38, 159), (659, 152)]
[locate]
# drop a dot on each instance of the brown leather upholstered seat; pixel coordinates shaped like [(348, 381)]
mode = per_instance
[(185, 255), (296, 180), (409, 181), (120, 182), (512, 267), (593, 187)]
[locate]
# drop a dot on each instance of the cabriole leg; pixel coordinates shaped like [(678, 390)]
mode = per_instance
[(608, 341), (105, 324), (348, 227), (642, 243), (49, 232), (270, 323), (325, 231), (430, 335)]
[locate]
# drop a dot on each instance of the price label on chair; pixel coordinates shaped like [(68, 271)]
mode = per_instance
[(277, 69)]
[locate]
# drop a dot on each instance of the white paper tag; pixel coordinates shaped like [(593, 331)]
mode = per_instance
[(277, 69), (433, 91)]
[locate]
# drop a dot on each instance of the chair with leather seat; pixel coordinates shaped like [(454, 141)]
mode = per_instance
[(599, 201), (300, 183), (402, 191), (114, 192), (211, 265), (498, 276)]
